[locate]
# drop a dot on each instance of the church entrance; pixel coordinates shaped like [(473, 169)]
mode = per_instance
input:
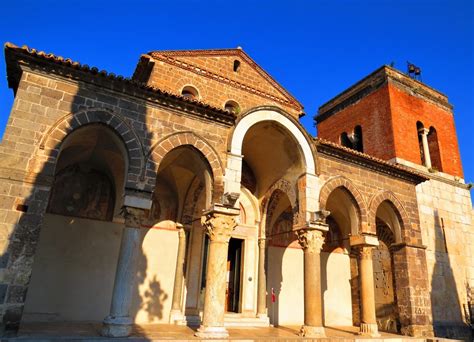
[(234, 270)]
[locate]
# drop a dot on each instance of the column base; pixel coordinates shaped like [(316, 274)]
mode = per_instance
[(211, 332), (176, 317), (116, 326), (311, 331), (369, 329)]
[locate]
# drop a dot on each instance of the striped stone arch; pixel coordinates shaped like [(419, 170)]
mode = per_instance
[(389, 196), (51, 141), (342, 182), (174, 140)]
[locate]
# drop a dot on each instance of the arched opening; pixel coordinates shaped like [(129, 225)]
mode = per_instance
[(190, 92), (81, 233), (276, 154), (270, 153), (236, 65), (358, 139), (339, 269), (232, 107), (388, 233), (184, 186), (419, 129), (284, 263), (433, 146), (345, 141)]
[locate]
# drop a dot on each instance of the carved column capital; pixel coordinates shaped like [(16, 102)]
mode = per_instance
[(261, 242), (364, 252), (310, 240), (134, 217), (218, 226)]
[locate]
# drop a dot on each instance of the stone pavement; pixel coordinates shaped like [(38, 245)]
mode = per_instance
[(42, 332)]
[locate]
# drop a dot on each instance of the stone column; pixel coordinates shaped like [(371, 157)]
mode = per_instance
[(119, 322), (311, 238), (176, 314), (218, 224), (426, 150), (368, 318), (262, 281)]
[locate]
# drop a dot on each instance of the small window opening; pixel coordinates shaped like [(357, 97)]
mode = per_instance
[(353, 140), (232, 107), (190, 92), (236, 65), (357, 140), (345, 141), (419, 129), (22, 207)]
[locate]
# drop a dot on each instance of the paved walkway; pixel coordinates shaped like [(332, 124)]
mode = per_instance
[(164, 332)]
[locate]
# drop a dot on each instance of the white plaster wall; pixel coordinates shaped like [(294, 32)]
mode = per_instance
[(447, 231), (74, 272), (285, 271), (335, 284), (152, 302)]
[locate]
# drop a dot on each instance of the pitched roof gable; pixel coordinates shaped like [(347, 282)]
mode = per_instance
[(192, 60)]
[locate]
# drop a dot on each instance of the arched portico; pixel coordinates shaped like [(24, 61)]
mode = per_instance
[(291, 128)]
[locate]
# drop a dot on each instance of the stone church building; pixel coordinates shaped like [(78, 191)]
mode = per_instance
[(191, 194)]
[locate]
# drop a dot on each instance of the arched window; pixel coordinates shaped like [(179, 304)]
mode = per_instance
[(357, 140), (419, 129), (345, 141), (353, 140), (190, 92), (232, 106), (433, 147), (236, 65)]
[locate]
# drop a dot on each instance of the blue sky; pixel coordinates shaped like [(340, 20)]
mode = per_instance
[(315, 49)]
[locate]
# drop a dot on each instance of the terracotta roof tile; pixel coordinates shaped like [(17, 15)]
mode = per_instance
[(369, 157), (105, 74)]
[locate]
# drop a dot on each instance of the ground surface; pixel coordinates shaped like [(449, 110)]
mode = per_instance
[(165, 332)]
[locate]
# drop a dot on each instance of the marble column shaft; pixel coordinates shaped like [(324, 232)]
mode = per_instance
[(179, 273), (426, 149), (218, 226), (262, 282), (119, 322), (368, 325), (312, 241)]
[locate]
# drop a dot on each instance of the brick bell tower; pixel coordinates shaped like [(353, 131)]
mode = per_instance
[(396, 118)]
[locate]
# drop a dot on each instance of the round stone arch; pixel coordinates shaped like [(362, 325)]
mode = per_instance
[(403, 218), (285, 187), (260, 114), (342, 182), (174, 140), (51, 141)]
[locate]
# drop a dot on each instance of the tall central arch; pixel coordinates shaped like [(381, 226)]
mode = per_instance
[(293, 129)]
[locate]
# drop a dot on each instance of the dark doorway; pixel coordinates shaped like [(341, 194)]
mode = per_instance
[(234, 262)]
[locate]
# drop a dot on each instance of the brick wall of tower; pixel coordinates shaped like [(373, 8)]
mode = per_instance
[(406, 110), (373, 114)]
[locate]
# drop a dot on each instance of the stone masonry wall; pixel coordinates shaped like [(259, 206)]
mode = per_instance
[(173, 78), (410, 273), (26, 168), (446, 223)]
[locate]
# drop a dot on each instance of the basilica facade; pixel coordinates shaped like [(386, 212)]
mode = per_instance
[(191, 194)]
